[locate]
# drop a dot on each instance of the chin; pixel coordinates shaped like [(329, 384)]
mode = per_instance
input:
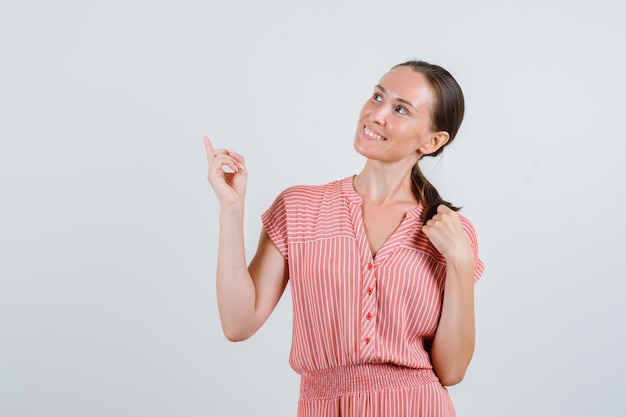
[(359, 148), (365, 152)]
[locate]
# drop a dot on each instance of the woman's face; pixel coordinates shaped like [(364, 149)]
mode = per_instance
[(395, 123)]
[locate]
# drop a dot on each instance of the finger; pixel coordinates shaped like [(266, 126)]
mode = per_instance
[(207, 145), (237, 157), (223, 160)]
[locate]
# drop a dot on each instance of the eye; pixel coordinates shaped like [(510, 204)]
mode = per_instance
[(377, 97), (401, 110)]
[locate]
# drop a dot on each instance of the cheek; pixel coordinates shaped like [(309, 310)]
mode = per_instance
[(417, 130), (362, 116), (366, 110)]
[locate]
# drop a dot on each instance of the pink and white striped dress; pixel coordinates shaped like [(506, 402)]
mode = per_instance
[(362, 325)]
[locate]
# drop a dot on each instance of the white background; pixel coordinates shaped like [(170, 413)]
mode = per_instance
[(108, 228)]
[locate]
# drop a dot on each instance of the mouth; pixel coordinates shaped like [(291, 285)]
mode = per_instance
[(372, 135)]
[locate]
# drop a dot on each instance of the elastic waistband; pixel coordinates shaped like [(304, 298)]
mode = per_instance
[(335, 382)]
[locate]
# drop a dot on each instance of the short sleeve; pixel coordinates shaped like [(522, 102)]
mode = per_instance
[(275, 223), (479, 267)]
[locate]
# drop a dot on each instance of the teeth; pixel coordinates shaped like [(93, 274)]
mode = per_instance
[(373, 135)]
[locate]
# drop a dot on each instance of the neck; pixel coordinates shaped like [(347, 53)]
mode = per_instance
[(384, 184)]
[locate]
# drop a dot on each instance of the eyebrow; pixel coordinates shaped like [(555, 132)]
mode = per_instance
[(401, 100)]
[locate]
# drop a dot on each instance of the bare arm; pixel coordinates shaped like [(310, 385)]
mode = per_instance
[(246, 295), (453, 345)]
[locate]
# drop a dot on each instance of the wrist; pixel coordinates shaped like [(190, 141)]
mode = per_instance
[(231, 211), (461, 261)]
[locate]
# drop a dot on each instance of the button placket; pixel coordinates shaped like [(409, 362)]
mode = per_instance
[(369, 311)]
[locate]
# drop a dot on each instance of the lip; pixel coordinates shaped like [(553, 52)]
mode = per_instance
[(371, 134)]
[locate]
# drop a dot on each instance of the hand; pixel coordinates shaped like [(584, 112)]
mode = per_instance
[(446, 233), (229, 185)]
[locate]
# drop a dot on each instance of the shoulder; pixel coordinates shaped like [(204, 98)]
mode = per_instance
[(311, 194), (469, 229), (309, 212), (318, 206)]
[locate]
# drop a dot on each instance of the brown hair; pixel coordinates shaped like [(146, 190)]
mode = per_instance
[(446, 115)]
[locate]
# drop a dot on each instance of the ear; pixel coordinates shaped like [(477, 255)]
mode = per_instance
[(434, 142)]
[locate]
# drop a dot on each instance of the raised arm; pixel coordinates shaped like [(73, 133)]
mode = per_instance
[(246, 295), (453, 345)]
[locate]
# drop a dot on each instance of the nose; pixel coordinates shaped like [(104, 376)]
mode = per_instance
[(379, 115)]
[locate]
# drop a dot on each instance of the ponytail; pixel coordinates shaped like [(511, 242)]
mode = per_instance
[(446, 115), (427, 194)]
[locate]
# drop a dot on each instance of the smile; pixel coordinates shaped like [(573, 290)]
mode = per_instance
[(372, 135)]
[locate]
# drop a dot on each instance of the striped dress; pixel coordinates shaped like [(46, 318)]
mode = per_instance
[(362, 325)]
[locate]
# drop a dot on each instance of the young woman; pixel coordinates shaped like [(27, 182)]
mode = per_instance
[(381, 269)]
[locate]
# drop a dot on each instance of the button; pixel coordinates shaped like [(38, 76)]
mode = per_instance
[(370, 266), (367, 340), (370, 290), (368, 316)]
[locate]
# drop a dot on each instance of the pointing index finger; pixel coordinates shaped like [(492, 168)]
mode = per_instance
[(207, 144)]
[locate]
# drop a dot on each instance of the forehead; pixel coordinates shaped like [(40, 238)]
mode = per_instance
[(408, 84)]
